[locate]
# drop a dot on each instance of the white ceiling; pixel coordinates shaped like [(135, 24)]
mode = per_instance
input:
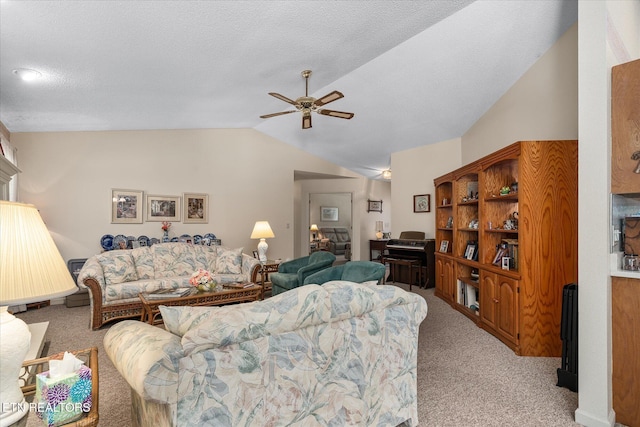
[(413, 72)]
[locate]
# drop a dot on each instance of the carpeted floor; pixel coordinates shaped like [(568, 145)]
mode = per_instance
[(466, 377)]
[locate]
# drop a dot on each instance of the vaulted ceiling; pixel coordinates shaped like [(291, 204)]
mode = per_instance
[(413, 72)]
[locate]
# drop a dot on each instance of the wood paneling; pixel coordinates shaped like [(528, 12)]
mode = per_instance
[(625, 319), (625, 127)]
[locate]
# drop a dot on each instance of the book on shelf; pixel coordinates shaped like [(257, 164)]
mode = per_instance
[(238, 285), (170, 293)]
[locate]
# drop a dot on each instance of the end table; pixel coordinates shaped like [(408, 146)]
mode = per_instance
[(268, 266)]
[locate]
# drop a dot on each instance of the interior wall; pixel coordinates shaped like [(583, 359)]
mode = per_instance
[(413, 174), (363, 222), (248, 175), (609, 35), (542, 104), (341, 201)]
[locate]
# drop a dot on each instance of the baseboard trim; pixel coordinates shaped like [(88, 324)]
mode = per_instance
[(588, 420)]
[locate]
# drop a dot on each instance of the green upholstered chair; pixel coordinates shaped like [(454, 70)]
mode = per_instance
[(353, 271), (291, 274)]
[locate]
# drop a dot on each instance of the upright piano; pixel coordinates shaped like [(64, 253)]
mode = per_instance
[(419, 249)]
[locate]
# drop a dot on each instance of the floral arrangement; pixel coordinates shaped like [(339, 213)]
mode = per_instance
[(166, 225), (200, 277)]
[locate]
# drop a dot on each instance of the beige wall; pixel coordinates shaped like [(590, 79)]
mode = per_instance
[(542, 104), (413, 173), (248, 176), (363, 226)]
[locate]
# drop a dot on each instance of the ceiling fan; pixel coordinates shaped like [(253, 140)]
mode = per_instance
[(307, 104)]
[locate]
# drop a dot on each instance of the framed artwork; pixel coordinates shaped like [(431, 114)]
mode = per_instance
[(422, 203), (470, 251), (328, 213), (195, 208), (444, 246), (374, 206), (126, 206), (163, 208)]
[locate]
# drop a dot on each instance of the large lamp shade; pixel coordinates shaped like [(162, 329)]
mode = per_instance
[(31, 270)]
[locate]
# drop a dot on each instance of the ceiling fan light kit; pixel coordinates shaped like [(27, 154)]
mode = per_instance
[(307, 104)]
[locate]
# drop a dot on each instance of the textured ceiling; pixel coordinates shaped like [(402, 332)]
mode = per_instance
[(413, 72)]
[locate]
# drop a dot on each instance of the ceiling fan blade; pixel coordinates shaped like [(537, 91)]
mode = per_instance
[(266, 116), (306, 120), (282, 98), (333, 113), (330, 97)]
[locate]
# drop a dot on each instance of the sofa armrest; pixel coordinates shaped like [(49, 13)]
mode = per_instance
[(91, 270), (250, 267), (310, 269), (147, 357), (292, 266)]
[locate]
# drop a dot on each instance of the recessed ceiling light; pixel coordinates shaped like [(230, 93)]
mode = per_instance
[(27, 74), (386, 174)]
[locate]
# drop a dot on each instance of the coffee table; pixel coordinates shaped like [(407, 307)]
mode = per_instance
[(151, 311)]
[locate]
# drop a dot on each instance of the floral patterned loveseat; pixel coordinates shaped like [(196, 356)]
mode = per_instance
[(115, 278), (338, 354)]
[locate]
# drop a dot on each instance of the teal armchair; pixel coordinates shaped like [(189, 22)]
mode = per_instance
[(291, 274), (353, 271)]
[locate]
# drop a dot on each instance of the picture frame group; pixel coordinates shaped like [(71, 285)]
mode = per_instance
[(132, 206)]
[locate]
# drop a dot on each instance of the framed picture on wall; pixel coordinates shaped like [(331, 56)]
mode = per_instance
[(328, 213), (374, 206), (422, 203), (126, 206), (195, 208), (163, 208)]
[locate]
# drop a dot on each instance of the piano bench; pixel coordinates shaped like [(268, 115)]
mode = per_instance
[(410, 263)]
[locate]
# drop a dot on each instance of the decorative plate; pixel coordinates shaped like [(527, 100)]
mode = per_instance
[(120, 238), (174, 239), (144, 239), (210, 236), (197, 239), (107, 242), (153, 241)]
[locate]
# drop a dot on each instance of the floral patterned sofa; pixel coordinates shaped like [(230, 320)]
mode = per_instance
[(115, 278), (338, 354)]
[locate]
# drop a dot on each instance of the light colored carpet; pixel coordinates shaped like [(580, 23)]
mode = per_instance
[(466, 377)]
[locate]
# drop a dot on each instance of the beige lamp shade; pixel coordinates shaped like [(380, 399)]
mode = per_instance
[(31, 267), (314, 227), (262, 230)]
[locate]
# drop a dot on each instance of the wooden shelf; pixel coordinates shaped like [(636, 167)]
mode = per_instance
[(513, 306)]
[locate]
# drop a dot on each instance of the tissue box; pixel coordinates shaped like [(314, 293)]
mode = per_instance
[(65, 399)]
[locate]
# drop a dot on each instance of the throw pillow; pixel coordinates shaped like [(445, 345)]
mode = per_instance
[(180, 319), (229, 261), (118, 267)]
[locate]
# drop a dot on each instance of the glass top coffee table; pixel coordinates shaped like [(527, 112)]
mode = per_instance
[(151, 311)]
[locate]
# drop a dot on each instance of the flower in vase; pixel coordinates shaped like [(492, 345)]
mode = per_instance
[(202, 279), (166, 225)]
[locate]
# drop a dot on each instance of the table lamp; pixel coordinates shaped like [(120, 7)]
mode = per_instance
[(379, 229), (314, 229), (31, 270), (262, 230)]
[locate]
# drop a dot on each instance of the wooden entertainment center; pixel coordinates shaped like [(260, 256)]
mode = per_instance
[(521, 200)]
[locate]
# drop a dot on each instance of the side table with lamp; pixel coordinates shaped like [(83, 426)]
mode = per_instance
[(32, 270)]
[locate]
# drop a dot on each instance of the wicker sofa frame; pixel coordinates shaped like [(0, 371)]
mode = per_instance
[(102, 314)]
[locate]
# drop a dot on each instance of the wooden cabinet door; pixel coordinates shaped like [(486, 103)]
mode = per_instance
[(488, 299), (439, 276), (625, 127), (507, 316), (449, 281)]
